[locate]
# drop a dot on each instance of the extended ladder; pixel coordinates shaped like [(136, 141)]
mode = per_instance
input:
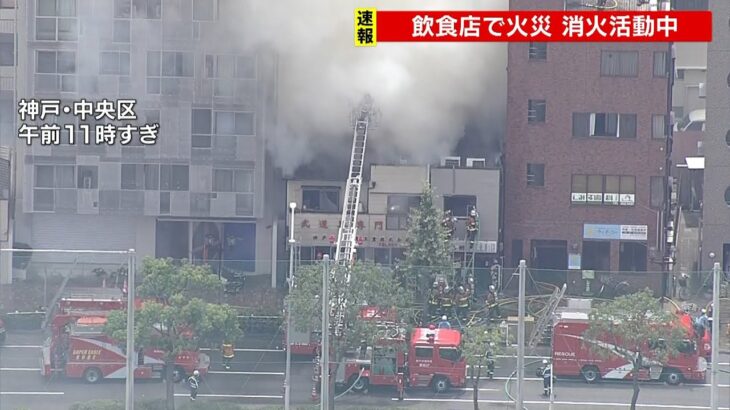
[(546, 318), (346, 236)]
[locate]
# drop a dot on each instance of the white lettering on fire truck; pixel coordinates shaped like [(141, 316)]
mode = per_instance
[(565, 354)]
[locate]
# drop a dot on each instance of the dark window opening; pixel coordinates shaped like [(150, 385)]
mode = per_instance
[(536, 111), (536, 174), (321, 199), (399, 209), (538, 51), (459, 205), (596, 256), (632, 257), (88, 177), (424, 352), (451, 354), (517, 253)]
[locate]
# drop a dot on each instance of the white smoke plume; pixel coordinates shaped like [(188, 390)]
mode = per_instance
[(424, 91)]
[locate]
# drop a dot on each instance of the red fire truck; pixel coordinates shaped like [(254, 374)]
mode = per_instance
[(572, 356), (704, 343), (78, 347)]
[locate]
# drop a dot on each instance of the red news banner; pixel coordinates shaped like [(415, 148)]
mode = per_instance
[(543, 26)]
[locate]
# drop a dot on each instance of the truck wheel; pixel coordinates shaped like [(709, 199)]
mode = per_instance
[(440, 384), (673, 377), (359, 385), (92, 375), (590, 374)]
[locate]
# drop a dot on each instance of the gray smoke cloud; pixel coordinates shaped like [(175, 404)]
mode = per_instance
[(425, 92)]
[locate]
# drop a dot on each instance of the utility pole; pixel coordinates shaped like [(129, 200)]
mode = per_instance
[(325, 395), (131, 356), (290, 282), (521, 336), (717, 278)]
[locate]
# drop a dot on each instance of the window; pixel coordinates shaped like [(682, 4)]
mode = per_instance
[(121, 31), (56, 20), (232, 180), (7, 49), (538, 51), (202, 128), (147, 9), (177, 64), (320, 199), (661, 64), (88, 177), (163, 68), (659, 126), (632, 257), (451, 354), (164, 203), (7, 4), (226, 70), (536, 174), (679, 74), (114, 62), (459, 205), (244, 204), (656, 199), (619, 63), (536, 111), (399, 209), (205, 10), (604, 125), (122, 9), (727, 138), (695, 126), (602, 190), (174, 177), (44, 176), (54, 71), (424, 352), (140, 176), (65, 176), (727, 196), (234, 123)]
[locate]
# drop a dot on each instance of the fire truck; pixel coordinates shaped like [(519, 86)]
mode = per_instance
[(573, 357), (704, 343), (79, 348)]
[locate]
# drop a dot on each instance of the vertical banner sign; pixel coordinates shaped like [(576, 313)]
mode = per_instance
[(366, 27)]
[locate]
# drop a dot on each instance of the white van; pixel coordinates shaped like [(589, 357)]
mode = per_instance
[(694, 121)]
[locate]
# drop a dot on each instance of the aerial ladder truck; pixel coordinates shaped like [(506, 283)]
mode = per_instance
[(362, 119)]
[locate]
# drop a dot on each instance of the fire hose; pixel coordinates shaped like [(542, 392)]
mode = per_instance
[(359, 376), (506, 383)]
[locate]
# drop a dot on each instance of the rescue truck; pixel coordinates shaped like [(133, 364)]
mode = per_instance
[(79, 348), (428, 357), (573, 357)]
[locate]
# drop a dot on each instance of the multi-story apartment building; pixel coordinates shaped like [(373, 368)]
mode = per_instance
[(585, 155), (199, 191), (388, 194), (716, 144)]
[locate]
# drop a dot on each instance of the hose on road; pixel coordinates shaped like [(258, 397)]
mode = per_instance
[(351, 385), (506, 383)]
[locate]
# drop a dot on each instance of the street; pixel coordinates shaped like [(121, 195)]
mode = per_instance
[(257, 375)]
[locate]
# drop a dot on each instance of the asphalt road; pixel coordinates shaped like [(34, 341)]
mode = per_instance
[(258, 373)]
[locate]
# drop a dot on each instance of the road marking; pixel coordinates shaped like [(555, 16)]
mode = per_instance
[(472, 389), (19, 369), (31, 393), (567, 403), (248, 373), (232, 396), (248, 350), (21, 346)]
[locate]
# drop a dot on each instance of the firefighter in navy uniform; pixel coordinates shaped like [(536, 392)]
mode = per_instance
[(446, 301), (547, 374), (449, 225), (462, 302), (472, 226)]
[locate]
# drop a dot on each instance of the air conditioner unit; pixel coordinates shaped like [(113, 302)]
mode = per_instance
[(476, 162), (451, 161), (702, 91)]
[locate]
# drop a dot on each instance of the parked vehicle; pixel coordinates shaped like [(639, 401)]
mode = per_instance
[(573, 357)]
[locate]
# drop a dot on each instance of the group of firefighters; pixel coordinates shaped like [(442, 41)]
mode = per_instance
[(472, 225), (447, 301)]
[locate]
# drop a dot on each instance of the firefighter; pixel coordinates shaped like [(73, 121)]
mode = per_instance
[(472, 226), (444, 323), (228, 352), (448, 223), (462, 302), (492, 303), (490, 361), (433, 300), (193, 383), (547, 374), (445, 300), (682, 282)]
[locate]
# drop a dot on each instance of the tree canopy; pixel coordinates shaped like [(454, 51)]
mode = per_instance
[(172, 318), (631, 324), (428, 250)]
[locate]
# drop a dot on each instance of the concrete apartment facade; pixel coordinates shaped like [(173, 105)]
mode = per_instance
[(716, 144), (386, 199), (200, 191), (585, 183)]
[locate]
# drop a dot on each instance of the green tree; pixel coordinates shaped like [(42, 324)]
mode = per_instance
[(628, 325), (369, 285), (172, 318), (478, 340), (428, 250)]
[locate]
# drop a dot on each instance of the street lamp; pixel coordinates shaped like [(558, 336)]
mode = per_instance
[(290, 282)]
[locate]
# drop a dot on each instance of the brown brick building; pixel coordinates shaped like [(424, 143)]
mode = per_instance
[(585, 161)]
